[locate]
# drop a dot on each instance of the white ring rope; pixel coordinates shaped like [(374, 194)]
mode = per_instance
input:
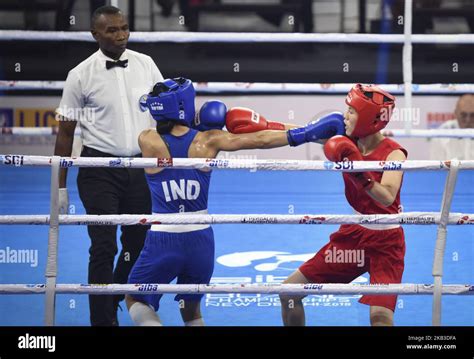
[(215, 163), (407, 63), (33, 131), (256, 87), (298, 289), (236, 37), (418, 218), (431, 133)]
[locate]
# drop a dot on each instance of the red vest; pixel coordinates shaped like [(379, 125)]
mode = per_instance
[(360, 199)]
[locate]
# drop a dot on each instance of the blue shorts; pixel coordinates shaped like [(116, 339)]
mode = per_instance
[(188, 256)]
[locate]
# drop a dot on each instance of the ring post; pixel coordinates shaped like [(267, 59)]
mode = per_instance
[(407, 63), (440, 245), (52, 261)]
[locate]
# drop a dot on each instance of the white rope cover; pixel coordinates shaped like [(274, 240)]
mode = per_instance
[(227, 37), (204, 88), (418, 218), (215, 163), (298, 289), (33, 131), (431, 133)]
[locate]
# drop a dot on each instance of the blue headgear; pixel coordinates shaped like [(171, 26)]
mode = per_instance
[(172, 99)]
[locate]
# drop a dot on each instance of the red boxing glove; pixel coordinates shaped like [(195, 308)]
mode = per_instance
[(341, 148), (244, 120)]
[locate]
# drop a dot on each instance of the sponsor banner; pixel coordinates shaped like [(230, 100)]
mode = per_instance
[(215, 162), (13, 160), (6, 117), (147, 287), (261, 220), (34, 117), (466, 220), (164, 162), (312, 220), (418, 220), (391, 165)]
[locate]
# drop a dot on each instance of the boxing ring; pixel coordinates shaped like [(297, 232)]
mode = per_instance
[(54, 220), (269, 246)]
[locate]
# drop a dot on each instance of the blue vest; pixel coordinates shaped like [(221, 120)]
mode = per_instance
[(176, 190)]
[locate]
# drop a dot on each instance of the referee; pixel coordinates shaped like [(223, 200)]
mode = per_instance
[(102, 95)]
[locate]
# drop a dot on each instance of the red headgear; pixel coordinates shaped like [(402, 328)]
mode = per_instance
[(374, 107)]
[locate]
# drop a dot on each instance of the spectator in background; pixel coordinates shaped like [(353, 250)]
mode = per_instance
[(306, 14), (460, 148), (166, 7), (421, 24), (423, 20)]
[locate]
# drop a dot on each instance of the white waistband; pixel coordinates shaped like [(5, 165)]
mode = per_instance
[(378, 227), (180, 228)]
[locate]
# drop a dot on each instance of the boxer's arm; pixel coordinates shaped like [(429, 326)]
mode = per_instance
[(386, 191), (63, 146), (147, 143), (225, 141), (72, 98), (152, 146)]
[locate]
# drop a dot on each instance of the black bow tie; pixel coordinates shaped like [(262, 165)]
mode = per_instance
[(111, 64)]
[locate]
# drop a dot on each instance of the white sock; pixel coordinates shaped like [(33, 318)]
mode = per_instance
[(144, 315), (199, 322)]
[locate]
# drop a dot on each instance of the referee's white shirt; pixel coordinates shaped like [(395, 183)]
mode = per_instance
[(105, 102), (450, 148)]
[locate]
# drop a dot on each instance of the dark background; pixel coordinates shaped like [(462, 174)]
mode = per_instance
[(258, 62)]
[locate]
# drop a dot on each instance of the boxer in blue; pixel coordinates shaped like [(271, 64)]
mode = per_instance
[(186, 252)]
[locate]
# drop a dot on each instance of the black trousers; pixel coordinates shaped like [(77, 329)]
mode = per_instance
[(112, 191)]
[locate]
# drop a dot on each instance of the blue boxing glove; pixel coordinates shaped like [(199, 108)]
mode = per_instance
[(211, 116), (327, 126)]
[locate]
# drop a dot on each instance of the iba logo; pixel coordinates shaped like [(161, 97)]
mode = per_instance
[(271, 267), (273, 260), (267, 261)]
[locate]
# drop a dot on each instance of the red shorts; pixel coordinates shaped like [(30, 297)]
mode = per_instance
[(354, 250)]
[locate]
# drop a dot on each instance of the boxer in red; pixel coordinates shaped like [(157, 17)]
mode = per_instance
[(356, 249)]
